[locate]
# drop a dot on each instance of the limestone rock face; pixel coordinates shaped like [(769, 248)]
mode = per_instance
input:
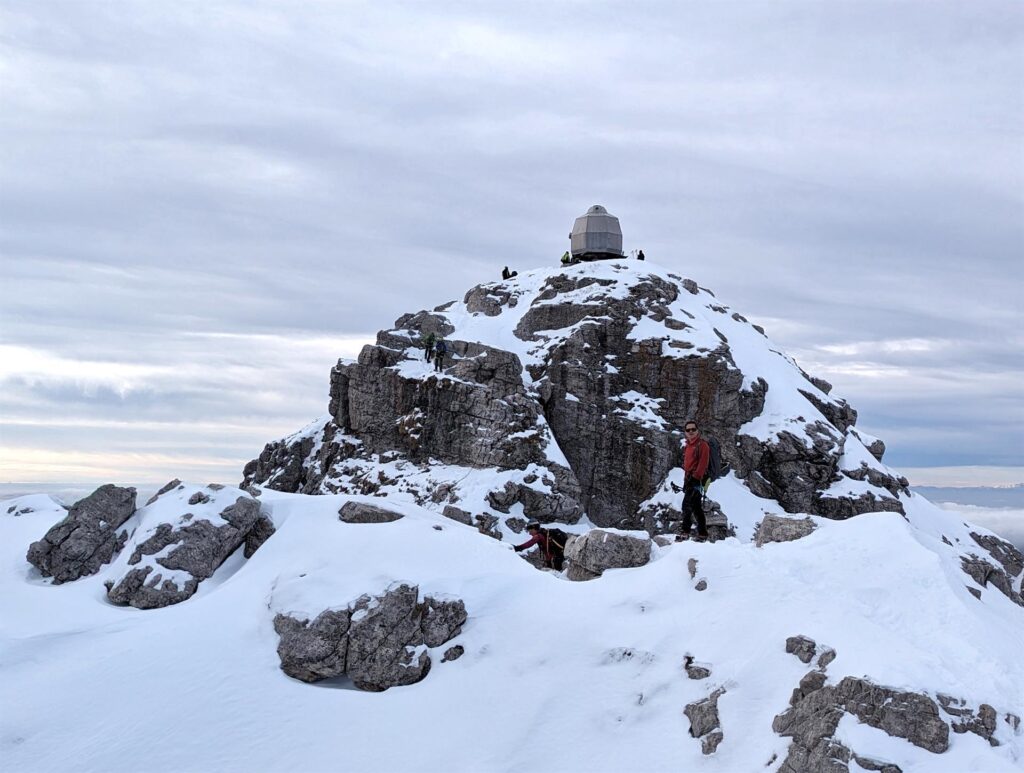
[(591, 553), (573, 386), (87, 538), (775, 528), (377, 641), (177, 557)]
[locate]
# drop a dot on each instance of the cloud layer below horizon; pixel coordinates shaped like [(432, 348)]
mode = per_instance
[(204, 205)]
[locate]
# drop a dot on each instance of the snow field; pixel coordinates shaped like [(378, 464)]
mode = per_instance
[(557, 675)]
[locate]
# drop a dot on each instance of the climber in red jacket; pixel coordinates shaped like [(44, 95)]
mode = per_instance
[(696, 456), (551, 541)]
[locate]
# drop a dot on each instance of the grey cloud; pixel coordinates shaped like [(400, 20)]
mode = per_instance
[(849, 170)]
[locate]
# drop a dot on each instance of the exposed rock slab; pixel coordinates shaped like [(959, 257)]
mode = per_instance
[(87, 538)]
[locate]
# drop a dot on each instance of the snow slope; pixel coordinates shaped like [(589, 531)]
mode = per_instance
[(557, 675)]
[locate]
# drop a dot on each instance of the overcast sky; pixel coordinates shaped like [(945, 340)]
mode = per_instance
[(204, 204)]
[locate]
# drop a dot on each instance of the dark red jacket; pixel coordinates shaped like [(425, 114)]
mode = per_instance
[(696, 457)]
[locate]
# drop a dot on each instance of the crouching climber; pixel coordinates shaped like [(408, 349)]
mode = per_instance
[(551, 542)]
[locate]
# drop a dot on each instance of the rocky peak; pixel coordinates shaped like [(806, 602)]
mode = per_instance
[(569, 387)]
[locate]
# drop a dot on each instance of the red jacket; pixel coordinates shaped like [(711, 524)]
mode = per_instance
[(696, 457)]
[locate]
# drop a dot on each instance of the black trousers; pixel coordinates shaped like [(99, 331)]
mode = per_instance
[(557, 559), (693, 507)]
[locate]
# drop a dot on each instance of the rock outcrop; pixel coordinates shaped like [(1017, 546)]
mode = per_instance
[(363, 512), (87, 538), (573, 386), (590, 554), (260, 532), (704, 721), (774, 528), (1001, 569), (695, 670), (169, 565), (981, 721), (816, 708), (176, 483), (801, 646), (377, 641)]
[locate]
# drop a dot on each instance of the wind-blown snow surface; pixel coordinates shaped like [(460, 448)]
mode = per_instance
[(557, 675)]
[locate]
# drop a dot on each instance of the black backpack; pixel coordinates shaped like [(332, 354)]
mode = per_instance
[(716, 467), (557, 537)]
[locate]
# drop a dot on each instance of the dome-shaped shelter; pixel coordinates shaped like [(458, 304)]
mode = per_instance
[(595, 235)]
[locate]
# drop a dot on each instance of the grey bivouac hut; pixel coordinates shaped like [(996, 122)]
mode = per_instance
[(596, 235)]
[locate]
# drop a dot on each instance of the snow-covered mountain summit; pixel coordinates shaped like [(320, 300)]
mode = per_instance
[(355, 604), (570, 387)]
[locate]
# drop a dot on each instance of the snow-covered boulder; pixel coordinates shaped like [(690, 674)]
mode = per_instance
[(378, 641), (87, 538), (171, 557), (599, 549)]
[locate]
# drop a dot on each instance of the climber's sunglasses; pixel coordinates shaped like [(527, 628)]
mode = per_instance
[(691, 429)]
